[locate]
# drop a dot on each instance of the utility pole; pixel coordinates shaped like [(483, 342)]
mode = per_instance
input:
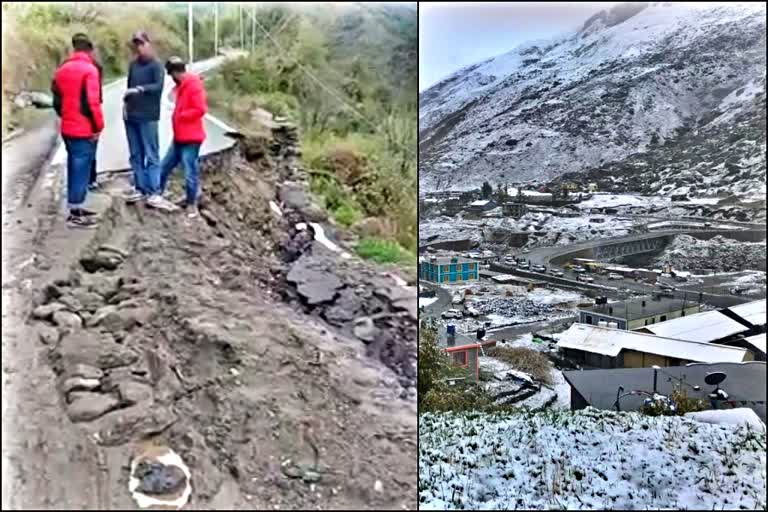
[(216, 29), (190, 33), (240, 13), (253, 29)]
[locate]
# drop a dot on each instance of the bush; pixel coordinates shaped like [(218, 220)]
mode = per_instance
[(380, 251), (532, 362)]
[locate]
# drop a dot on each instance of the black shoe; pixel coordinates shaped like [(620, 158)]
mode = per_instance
[(82, 212), (93, 187), (81, 221)]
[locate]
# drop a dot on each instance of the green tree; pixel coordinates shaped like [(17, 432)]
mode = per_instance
[(433, 364), (487, 190)]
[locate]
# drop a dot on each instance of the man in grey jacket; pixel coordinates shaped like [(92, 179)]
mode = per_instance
[(142, 115)]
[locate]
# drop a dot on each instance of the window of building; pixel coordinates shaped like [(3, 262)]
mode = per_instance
[(683, 313), (663, 317), (589, 319), (646, 321), (460, 358)]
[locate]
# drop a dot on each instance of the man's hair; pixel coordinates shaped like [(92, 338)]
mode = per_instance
[(81, 42), (175, 64)]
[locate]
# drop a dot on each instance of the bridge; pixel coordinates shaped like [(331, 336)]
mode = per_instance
[(609, 248)]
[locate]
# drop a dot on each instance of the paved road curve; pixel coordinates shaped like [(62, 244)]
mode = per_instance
[(112, 154)]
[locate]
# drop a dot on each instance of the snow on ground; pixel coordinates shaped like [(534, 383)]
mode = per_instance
[(603, 200), (740, 416), (588, 459), (507, 381), (426, 301), (554, 296)]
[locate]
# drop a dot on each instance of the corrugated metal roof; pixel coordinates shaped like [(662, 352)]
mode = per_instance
[(752, 312), (610, 342), (702, 327), (757, 341)]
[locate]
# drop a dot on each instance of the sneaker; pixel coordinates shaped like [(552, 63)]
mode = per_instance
[(95, 187), (84, 212), (135, 197), (161, 204), (192, 212), (80, 221)]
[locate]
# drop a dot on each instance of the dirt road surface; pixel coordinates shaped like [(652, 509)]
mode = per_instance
[(281, 373)]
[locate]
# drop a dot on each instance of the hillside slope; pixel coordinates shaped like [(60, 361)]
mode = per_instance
[(651, 87)]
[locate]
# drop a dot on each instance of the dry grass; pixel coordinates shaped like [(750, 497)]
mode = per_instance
[(526, 360)]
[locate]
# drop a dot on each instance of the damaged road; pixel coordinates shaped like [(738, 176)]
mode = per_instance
[(280, 372)]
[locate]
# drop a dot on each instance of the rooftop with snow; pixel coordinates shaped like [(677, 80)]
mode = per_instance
[(610, 342)]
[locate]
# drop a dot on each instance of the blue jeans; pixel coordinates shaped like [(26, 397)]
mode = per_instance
[(187, 155), (80, 156), (145, 160)]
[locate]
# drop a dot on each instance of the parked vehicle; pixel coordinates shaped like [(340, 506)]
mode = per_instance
[(614, 275), (557, 273), (471, 311), (579, 270), (452, 313), (585, 278), (539, 268)]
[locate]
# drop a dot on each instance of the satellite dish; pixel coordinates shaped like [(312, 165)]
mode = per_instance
[(714, 378)]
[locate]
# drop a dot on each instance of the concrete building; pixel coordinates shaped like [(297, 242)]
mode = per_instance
[(634, 314), (602, 347), (467, 357), (745, 385), (481, 206), (514, 210), (448, 269)]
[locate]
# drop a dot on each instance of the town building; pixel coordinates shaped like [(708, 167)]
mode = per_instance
[(744, 383), (634, 314), (750, 314), (755, 344), (604, 347), (448, 269), (705, 327), (514, 210), (481, 206)]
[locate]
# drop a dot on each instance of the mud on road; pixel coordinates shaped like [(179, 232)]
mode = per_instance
[(282, 374)]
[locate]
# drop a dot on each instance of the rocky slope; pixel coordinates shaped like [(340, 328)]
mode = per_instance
[(719, 254), (649, 97), (282, 373)]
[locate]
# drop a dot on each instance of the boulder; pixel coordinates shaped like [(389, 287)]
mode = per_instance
[(46, 311), (132, 392), (84, 371), (92, 349), (79, 384), (89, 406), (115, 319), (106, 260), (67, 320)]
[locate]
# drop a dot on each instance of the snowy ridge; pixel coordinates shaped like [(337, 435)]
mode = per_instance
[(584, 100)]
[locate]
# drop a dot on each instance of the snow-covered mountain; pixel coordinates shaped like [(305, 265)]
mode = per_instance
[(671, 96)]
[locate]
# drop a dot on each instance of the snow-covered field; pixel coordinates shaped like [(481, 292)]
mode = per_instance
[(426, 301), (588, 459)]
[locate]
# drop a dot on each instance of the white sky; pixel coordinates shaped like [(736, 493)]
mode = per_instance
[(454, 35)]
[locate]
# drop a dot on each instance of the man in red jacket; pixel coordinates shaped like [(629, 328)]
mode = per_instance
[(77, 99), (188, 131)]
